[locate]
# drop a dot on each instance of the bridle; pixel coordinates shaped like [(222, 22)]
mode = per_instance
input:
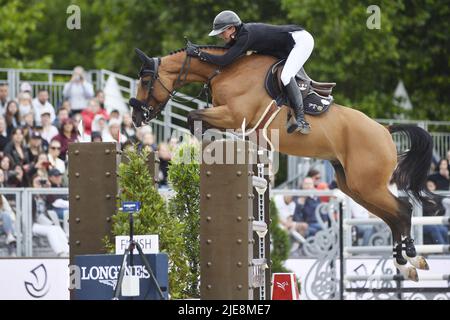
[(152, 69)]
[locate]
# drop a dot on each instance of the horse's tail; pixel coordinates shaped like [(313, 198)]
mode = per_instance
[(414, 164)]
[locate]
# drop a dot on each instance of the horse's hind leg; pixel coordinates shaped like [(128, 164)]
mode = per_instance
[(371, 185), (342, 184), (389, 219), (384, 199)]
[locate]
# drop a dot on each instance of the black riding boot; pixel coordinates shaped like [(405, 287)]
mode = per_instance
[(296, 101)]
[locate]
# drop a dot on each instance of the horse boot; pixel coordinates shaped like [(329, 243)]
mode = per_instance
[(296, 102)]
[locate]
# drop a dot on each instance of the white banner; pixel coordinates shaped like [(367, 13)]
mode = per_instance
[(148, 243), (34, 279)]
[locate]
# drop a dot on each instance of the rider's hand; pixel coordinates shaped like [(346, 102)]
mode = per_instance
[(193, 51)]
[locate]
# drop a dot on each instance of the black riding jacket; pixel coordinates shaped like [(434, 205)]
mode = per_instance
[(259, 37)]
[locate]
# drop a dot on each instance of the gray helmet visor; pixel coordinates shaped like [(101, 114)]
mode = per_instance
[(218, 31)]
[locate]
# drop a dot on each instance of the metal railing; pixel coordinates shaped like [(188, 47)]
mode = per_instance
[(172, 122)]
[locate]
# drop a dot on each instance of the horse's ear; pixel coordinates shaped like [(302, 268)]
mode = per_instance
[(143, 57)]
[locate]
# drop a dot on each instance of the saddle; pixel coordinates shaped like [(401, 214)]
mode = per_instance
[(316, 95)]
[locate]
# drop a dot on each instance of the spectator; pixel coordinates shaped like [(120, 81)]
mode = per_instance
[(436, 234), (44, 225), (17, 178), (12, 116), (100, 97), (28, 124), (66, 105), (35, 146), (54, 152), (77, 120), (286, 208), (305, 210), (49, 131), (4, 98), (89, 113), (128, 129), (112, 134), (26, 87), (25, 106), (5, 164), (96, 136), (7, 219), (164, 161), (67, 134), (16, 148), (141, 131), (315, 175), (78, 91), (148, 141), (441, 177), (55, 178), (61, 115), (4, 138), (115, 114), (41, 167), (99, 123), (41, 105), (58, 203)]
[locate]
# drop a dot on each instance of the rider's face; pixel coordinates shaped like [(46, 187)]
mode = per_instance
[(226, 35)]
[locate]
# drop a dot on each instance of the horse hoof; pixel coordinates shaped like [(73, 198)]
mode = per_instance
[(412, 274), (419, 262), (409, 273), (422, 263)]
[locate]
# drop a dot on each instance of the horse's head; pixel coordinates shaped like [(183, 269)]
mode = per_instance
[(152, 94)]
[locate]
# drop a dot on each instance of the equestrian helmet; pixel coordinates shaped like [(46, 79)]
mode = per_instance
[(224, 20)]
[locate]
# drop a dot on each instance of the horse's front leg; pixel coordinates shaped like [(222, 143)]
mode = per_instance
[(217, 117)]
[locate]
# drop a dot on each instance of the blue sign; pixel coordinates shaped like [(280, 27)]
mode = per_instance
[(98, 276), (131, 206)]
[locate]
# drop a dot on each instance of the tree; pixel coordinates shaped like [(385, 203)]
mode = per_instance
[(368, 63), (184, 178), (18, 21)]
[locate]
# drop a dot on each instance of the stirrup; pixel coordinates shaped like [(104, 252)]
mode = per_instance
[(303, 128)]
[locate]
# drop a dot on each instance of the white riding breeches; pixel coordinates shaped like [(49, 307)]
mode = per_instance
[(304, 44)]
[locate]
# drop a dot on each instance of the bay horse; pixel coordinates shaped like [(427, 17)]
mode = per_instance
[(361, 150)]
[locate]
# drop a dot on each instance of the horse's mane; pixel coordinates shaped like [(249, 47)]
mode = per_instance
[(200, 47)]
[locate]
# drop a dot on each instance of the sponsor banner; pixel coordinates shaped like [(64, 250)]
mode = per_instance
[(95, 276), (34, 279), (149, 243)]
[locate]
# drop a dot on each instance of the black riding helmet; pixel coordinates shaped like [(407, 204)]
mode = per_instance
[(224, 20)]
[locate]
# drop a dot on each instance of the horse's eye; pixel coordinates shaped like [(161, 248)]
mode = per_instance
[(145, 83)]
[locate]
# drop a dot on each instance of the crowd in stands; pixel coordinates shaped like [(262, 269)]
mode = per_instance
[(35, 134)]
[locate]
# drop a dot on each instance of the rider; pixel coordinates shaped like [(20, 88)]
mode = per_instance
[(289, 42)]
